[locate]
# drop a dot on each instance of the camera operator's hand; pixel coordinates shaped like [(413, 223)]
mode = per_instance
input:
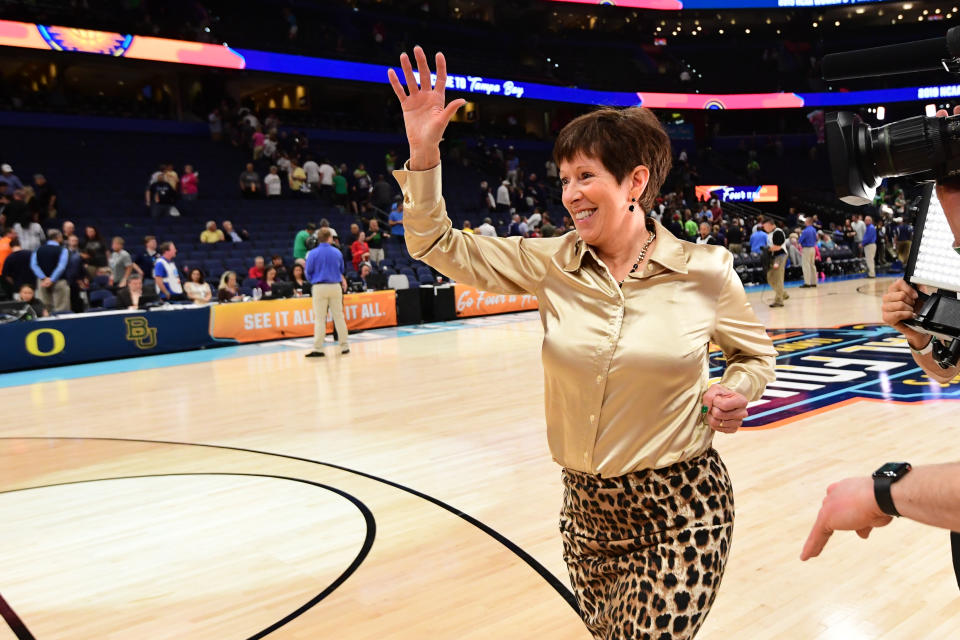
[(897, 306), (948, 192), (849, 506)]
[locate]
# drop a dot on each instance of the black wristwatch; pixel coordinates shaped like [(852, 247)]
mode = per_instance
[(883, 478)]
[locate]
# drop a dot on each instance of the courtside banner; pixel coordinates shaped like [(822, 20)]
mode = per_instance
[(474, 302), (293, 317), (102, 336)]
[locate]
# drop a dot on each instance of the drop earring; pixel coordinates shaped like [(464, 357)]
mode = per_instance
[(631, 207)]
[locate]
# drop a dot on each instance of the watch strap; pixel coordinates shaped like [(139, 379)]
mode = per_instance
[(925, 350), (881, 491)]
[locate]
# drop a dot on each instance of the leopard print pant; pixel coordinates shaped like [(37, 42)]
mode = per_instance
[(646, 551)]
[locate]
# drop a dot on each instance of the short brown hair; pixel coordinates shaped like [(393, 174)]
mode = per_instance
[(324, 235), (621, 139)]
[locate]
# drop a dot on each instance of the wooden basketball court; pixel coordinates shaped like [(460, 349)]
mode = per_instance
[(406, 490)]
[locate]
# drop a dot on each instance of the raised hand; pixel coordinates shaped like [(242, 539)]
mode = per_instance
[(898, 303), (425, 112)]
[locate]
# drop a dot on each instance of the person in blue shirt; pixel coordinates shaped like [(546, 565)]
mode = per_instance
[(869, 244), (396, 222), (325, 273), (48, 263), (758, 240), (808, 250)]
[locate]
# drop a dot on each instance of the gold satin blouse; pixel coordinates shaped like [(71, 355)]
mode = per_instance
[(625, 370)]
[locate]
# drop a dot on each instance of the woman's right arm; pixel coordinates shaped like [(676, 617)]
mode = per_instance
[(503, 265)]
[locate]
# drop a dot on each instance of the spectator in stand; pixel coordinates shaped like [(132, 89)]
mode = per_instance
[(268, 280), (467, 228), (133, 296), (7, 176), (16, 268), (487, 202), (794, 251), (45, 197), (256, 271), (382, 194), (869, 244), (300, 241), (535, 219), (270, 146), (690, 225), (547, 230), (375, 241), (706, 236), (676, 226), (487, 229), (758, 240), (165, 274), (849, 234), (283, 274), (250, 182), (518, 227), (228, 291), (189, 183), (148, 258), (121, 265), (360, 250), (258, 140), (216, 125), (904, 236), (272, 184), (859, 228), (390, 160), (6, 247), (396, 222), (301, 286), (826, 241), (160, 198), (211, 235), (312, 169), (171, 177), (341, 191), (196, 288), (354, 233), (31, 233), (27, 296), (325, 272), (735, 237), (808, 247), (93, 248), (503, 198), (48, 264), (232, 234), (298, 179), (327, 172), (68, 229)]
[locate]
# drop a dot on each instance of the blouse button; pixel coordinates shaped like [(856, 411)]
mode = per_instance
[(599, 379), (593, 418), (650, 266)]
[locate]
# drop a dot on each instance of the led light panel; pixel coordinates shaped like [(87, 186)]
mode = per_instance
[(938, 265)]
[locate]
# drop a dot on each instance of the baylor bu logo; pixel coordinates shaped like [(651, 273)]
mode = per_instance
[(141, 333)]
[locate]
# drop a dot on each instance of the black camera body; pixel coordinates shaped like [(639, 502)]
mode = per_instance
[(922, 148)]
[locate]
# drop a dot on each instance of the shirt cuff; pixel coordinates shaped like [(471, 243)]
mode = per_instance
[(741, 383), (421, 189)]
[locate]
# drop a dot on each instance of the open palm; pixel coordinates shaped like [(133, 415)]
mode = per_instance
[(425, 115)]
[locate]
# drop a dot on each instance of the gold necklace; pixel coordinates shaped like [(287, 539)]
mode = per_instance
[(652, 230)]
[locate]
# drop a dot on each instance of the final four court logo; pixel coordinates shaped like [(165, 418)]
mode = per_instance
[(822, 368)]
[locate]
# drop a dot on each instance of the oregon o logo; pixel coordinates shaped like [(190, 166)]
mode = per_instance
[(33, 343)]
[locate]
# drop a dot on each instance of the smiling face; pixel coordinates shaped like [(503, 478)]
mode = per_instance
[(598, 203)]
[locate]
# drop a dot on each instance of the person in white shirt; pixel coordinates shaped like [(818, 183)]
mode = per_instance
[(312, 169), (486, 229), (503, 197), (272, 183), (326, 181), (859, 226)]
